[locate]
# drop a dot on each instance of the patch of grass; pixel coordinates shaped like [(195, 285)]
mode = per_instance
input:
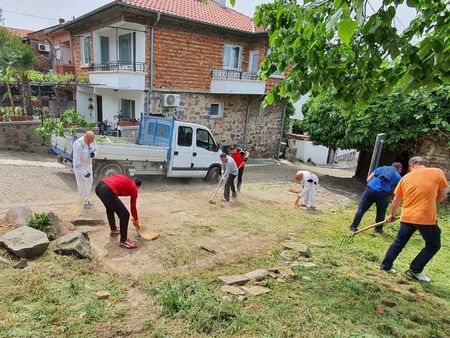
[(39, 221), (341, 300)]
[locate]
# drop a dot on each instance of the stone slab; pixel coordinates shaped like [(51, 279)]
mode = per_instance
[(234, 290), (255, 290), (87, 221), (234, 280), (301, 248), (25, 242), (257, 275)]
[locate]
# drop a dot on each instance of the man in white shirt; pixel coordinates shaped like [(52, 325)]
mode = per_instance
[(309, 187), (229, 172), (84, 150)]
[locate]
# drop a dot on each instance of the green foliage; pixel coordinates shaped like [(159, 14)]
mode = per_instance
[(64, 124), (403, 117), (335, 46), (14, 53), (39, 221), (204, 310)]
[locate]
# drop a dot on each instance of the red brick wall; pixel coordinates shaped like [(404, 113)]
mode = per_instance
[(77, 55), (185, 55)]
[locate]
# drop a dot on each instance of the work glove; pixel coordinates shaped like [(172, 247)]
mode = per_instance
[(87, 175), (136, 224), (92, 154)]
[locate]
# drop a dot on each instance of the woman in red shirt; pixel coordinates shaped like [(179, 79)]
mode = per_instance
[(108, 190)]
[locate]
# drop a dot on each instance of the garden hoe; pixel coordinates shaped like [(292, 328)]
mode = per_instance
[(215, 191), (348, 239)]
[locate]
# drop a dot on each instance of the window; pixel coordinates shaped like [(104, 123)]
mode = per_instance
[(232, 57), (125, 49), (184, 136), (277, 72), (215, 110), (253, 65), (128, 110), (86, 50), (104, 49), (205, 140)]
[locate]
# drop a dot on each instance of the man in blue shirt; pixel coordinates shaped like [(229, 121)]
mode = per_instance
[(380, 184)]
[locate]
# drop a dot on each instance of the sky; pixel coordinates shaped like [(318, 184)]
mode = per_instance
[(38, 14)]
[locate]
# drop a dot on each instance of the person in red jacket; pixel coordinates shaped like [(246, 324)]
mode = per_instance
[(108, 190), (240, 157)]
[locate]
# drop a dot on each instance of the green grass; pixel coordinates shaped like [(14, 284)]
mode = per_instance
[(55, 296)]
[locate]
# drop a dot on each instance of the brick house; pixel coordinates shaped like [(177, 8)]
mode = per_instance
[(185, 58)]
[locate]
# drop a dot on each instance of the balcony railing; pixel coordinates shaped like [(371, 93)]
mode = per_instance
[(118, 65), (232, 74)]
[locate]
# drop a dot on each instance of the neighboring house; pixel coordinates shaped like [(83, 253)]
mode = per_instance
[(189, 59), (21, 33), (318, 154)]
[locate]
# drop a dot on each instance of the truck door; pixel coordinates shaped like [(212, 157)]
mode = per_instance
[(205, 152), (182, 165)]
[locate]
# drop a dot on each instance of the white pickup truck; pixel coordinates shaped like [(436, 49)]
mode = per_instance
[(163, 147)]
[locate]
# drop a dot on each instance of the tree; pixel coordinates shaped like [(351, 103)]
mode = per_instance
[(2, 19), (404, 119), (16, 58), (336, 46)]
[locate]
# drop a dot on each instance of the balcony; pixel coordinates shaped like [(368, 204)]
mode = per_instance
[(117, 66), (65, 69), (225, 81), (118, 75)]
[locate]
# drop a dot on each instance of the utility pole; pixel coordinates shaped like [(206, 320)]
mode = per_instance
[(377, 149)]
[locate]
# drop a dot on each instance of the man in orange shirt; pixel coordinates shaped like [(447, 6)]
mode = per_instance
[(421, 190)]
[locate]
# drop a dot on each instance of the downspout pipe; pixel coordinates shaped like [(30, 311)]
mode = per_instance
[(282, 130), (152, 61)]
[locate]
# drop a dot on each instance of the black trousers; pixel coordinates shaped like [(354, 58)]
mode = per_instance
[(113, 206), (240, 174), (229, 184)]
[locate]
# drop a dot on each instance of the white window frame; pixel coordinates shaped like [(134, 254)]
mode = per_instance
[(240, 56), (250, 59), (277, 74), (220, 115), (83, 51)]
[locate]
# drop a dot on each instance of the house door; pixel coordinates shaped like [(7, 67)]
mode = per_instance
[(99, 108)]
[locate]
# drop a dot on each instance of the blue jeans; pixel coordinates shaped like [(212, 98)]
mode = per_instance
[(430, 233), (369, 197)]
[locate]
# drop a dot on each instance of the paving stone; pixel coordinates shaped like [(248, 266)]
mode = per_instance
[(87, 221), (258, 275), (234, 280), (75, 244), (307, 278), (287, 273), (261, 283), (22, 264), (307, 264), (17, 216), (25, 242), (289, 255), (255, 290), (234, 290), (102, 294), (301, 248)]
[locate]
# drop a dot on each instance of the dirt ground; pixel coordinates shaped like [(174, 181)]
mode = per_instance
[(179, 210)]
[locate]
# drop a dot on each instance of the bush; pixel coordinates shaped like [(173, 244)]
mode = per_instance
[(40, 221)]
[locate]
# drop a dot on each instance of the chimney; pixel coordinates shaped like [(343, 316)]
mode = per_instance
[(222, 3), (61, 21)]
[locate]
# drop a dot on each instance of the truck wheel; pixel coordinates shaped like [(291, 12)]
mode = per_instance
[(111, 169), (213, 175)]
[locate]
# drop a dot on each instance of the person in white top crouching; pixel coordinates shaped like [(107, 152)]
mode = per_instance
[(309, 183)]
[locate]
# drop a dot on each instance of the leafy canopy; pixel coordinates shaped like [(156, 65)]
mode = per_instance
[(14, 54), (336, 46), (404, 119)]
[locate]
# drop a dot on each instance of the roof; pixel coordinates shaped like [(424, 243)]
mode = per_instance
[(209, 12), (22, 33)]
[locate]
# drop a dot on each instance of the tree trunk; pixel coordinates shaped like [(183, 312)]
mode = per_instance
[(11, 99), (331, 156), (26, 94)]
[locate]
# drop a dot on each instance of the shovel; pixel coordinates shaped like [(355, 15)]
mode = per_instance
[(146, 233)]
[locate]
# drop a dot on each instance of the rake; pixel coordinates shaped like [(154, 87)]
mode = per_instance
[(349, 239)]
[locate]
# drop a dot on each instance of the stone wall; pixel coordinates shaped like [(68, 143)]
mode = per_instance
[(19, 136), (437, 152), (260, 135)]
